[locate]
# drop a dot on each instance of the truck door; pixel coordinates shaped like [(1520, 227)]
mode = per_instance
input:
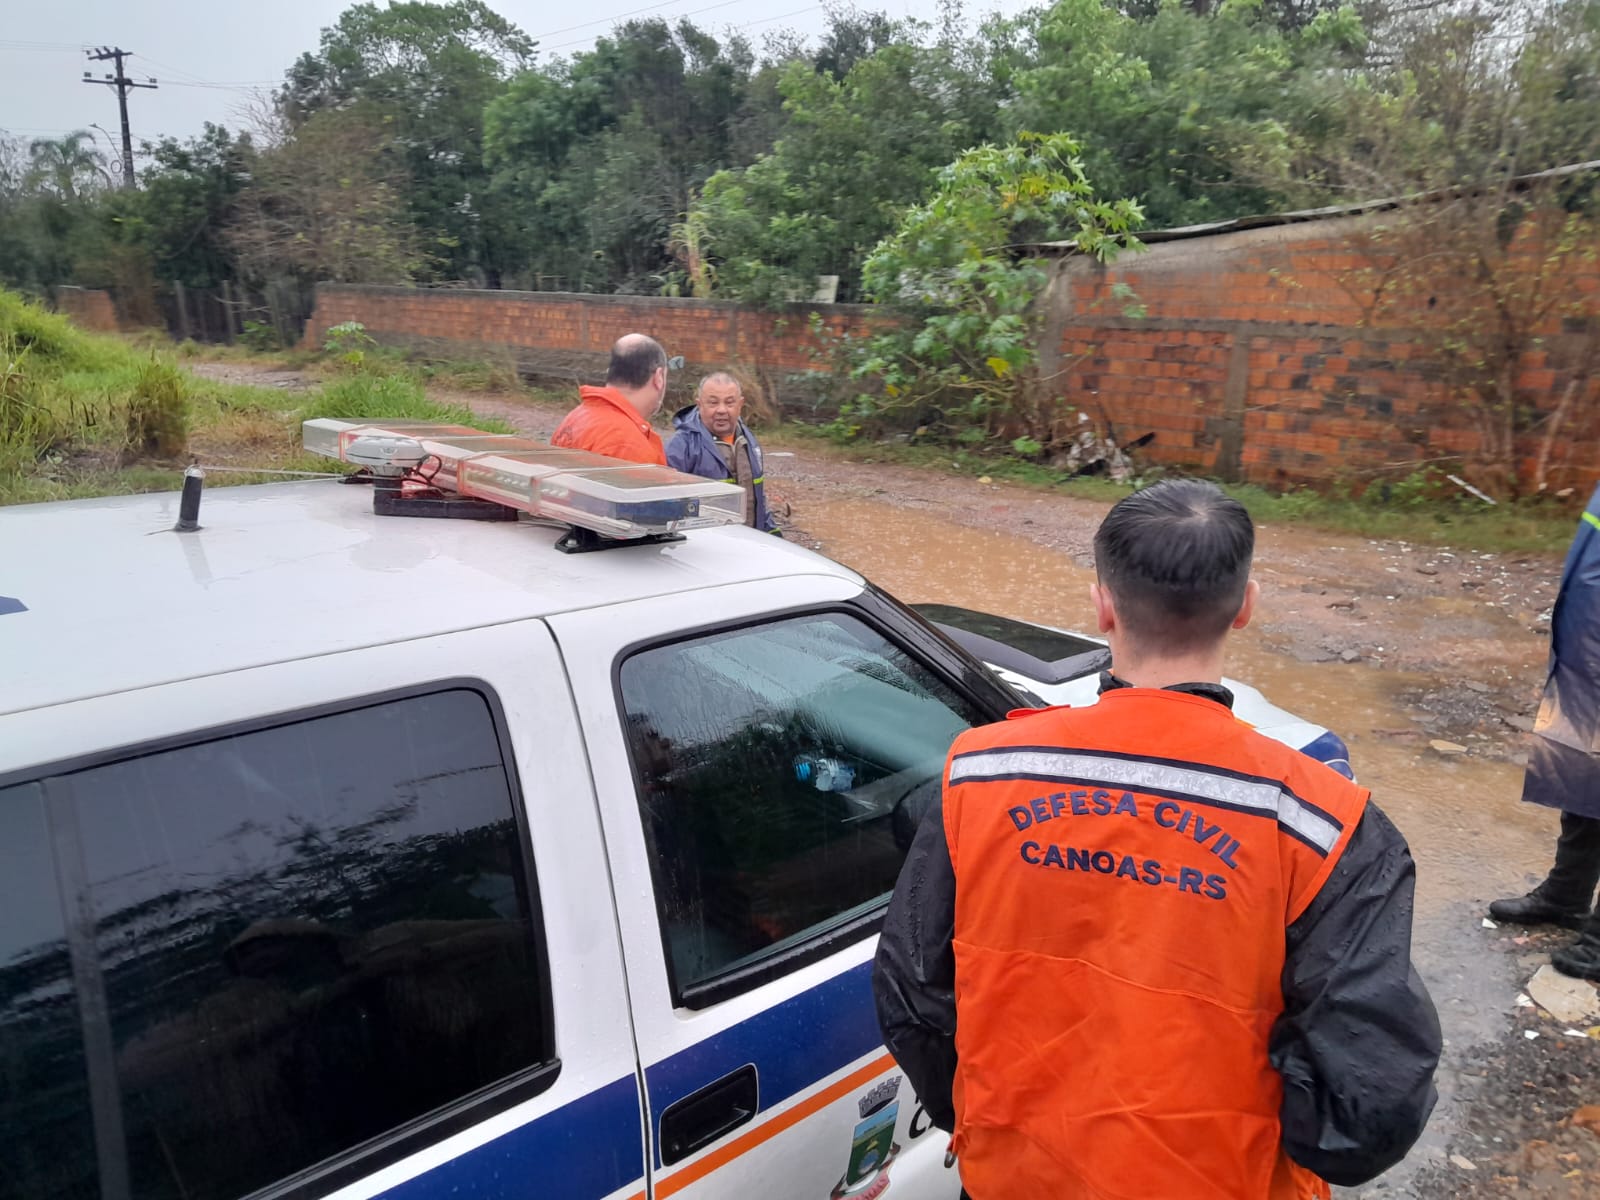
[(338, 927), (750, 773)]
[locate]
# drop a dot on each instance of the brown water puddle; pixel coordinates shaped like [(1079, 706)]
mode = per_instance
[(1469, 833)]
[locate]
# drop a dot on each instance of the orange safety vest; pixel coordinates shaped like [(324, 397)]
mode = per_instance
[(605, 423), (1125, 874)]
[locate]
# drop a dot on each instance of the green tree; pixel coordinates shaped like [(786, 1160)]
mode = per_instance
[(1200, 118), (855, 152), (48, 192), (430, 70), (69, 167), (187, 196), (1492, 262), (20, 245), (62, 222), (960, 270), (600, 155), (329, 204)]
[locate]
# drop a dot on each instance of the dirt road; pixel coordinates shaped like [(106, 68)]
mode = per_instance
[(1427, 660)]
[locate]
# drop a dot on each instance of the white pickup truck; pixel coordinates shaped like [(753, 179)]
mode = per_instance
[(350, 856)]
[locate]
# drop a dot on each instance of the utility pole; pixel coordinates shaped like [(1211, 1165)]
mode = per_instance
[(124, 85)]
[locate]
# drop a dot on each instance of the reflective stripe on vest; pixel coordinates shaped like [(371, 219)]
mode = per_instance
[(1186, 781), (1119, 946)]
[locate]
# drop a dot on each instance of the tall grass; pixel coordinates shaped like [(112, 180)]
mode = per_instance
[(85, 414), (156, 418), (57, 383), (365, 397), (88, 414)]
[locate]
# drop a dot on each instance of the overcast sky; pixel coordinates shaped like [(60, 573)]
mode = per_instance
[(208, 56)]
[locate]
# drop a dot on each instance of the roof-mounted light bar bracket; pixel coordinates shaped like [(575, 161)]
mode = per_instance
[(579, 540)]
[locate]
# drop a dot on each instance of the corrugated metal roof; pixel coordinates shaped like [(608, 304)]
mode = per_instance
[(1267, 220)]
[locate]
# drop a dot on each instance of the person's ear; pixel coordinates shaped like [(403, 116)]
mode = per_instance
[(1252, 593), (1105, 609)]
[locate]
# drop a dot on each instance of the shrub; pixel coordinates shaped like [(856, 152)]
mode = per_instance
[(350, 341), (389, 397), (964, 359), (260, 335), (157, 412)]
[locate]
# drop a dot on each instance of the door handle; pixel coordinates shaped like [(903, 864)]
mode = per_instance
[(714, 1111)]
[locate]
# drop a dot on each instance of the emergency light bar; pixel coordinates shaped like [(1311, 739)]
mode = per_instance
[(607, 496)]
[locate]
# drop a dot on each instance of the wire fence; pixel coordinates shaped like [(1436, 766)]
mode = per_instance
[(266, 318)]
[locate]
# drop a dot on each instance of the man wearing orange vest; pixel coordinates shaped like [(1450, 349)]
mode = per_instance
[(1142, 952), (615, 420)]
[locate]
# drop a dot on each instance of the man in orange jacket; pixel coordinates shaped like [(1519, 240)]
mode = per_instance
[(1140, 950), (615, 420)]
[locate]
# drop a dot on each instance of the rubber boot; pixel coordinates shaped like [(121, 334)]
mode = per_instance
[(1581, 960), (1566, 897)]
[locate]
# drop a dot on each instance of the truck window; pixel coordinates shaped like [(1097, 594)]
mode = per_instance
[(303, 937), (780, 769)]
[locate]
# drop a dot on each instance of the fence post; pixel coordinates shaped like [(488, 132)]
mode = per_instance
[(183, 311), (275, 310), (1235, 395)]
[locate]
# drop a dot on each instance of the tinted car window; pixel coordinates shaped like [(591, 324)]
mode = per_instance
[(44, 1086), (778, 766), (306, 937)]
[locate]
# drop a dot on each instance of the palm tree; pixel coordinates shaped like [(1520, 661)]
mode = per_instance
[(67, 166)]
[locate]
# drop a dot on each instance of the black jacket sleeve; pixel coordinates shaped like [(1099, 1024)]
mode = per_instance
[(914, 978), (1358, 1039)]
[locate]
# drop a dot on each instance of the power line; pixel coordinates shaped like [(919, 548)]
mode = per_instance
[(170, 69), (781, 16), (602, 20), (20, 129), (693, 13), (231, 85), (123, 85), (190, 79), (43, 47)]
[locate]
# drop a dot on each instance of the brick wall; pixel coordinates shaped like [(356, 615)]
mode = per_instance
[(1259, 355), (568, 336), (1254, 357), (87, 307)]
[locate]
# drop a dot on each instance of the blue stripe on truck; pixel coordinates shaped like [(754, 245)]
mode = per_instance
[(794, 1045), (589, 1148)]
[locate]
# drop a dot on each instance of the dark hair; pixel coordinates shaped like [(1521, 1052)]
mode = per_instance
[(634, 359), (1176, 558)]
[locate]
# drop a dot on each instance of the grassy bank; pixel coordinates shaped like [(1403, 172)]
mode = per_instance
[(1414, 510), (456, 375), (90, 415)]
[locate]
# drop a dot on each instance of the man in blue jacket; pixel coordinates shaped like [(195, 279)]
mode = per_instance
[(1564, 762), (712, 441)]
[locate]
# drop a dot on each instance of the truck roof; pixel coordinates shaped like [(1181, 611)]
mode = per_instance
[(101, 596)]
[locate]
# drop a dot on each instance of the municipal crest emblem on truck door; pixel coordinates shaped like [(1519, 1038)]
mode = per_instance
[(872, 1145)]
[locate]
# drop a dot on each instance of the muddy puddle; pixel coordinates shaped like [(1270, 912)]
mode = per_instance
[(1471, 837)]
